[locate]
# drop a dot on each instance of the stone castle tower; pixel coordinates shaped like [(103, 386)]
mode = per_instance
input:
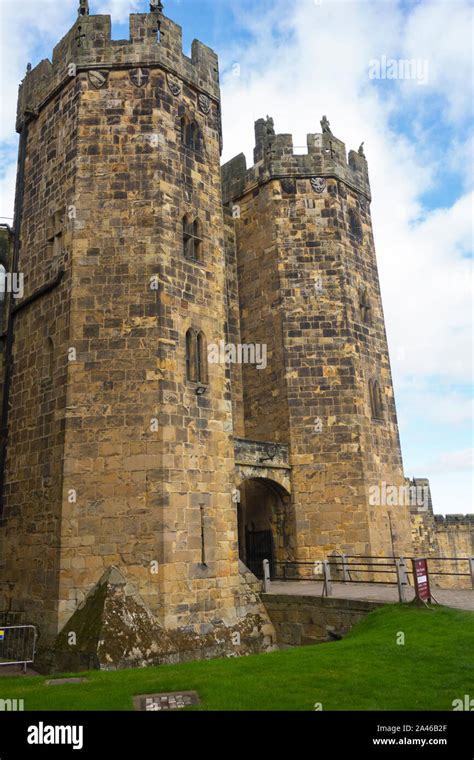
[(309, 290), (137, 472)]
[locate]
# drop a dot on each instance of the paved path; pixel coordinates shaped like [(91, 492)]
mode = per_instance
[(460, 598), (17, 670)]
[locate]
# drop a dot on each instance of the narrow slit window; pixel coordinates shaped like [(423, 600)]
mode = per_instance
[(364, 306), (54, 231), (192, 239), (197, 240), (188, 239), (189, 134), (191, 368), (375, 400), (201, 358), (196, 357), (355, 225)]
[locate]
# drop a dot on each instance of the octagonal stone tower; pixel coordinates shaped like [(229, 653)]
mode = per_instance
[(309, 290), (120, 455)]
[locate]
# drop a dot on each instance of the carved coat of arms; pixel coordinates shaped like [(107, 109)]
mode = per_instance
[(318, 184), (341, 190), (98, 79), (204, 103), (288, 186), (139, 77), (174, 84)]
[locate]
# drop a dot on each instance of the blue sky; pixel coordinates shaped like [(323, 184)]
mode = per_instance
[(297, 60)]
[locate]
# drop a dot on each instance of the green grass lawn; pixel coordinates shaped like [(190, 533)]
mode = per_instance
[(365, 671)]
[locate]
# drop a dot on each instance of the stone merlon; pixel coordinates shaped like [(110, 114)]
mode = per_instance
[(155, 41), (274, 157)]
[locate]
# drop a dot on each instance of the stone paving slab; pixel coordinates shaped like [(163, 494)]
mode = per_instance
[(166, 701), (462, 599)]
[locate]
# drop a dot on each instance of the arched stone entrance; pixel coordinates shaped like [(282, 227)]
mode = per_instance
[(265, 524)]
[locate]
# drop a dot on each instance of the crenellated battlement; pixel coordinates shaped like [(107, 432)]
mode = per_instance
[(455, 519), (155, 41), (274, 157)]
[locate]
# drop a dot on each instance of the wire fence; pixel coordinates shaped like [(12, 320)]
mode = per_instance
[(17, 645)]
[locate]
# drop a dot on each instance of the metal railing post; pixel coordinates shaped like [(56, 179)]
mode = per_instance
[(345, 569), (327, 588), (471, 566), (402, 579), (266, 576)]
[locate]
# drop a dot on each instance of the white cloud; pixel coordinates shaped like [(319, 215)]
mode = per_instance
[(23, 25), (452, 461), (427, 284), (7, 193), (118, 9), (451, 491), (312, 58), (441, 33), (320, 65)]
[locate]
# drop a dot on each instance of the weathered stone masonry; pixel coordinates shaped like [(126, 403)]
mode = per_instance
[(138, 476), (113, 458), (305, 253)]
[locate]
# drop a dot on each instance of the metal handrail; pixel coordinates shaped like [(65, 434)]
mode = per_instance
[(370, 567)]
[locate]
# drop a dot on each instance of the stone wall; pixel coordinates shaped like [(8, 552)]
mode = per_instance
[(302, 620), (116, 459), (448, 537), (31, 525), (152, 490)]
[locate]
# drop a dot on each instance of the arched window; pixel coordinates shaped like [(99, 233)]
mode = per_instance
[(201, 358), (364, 306), (355, 226), (196, 357), (189, 133), (375, 400), (198, 244), (192, 238), (191, 368)]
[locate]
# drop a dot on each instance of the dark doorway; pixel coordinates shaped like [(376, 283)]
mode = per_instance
[(259, 546), (265, 524)]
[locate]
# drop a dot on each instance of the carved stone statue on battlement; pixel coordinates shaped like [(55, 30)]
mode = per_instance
[(270, 127), (325, 126), (156, 6)]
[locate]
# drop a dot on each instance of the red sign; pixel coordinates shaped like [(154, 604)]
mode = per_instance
[(422, 580)]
